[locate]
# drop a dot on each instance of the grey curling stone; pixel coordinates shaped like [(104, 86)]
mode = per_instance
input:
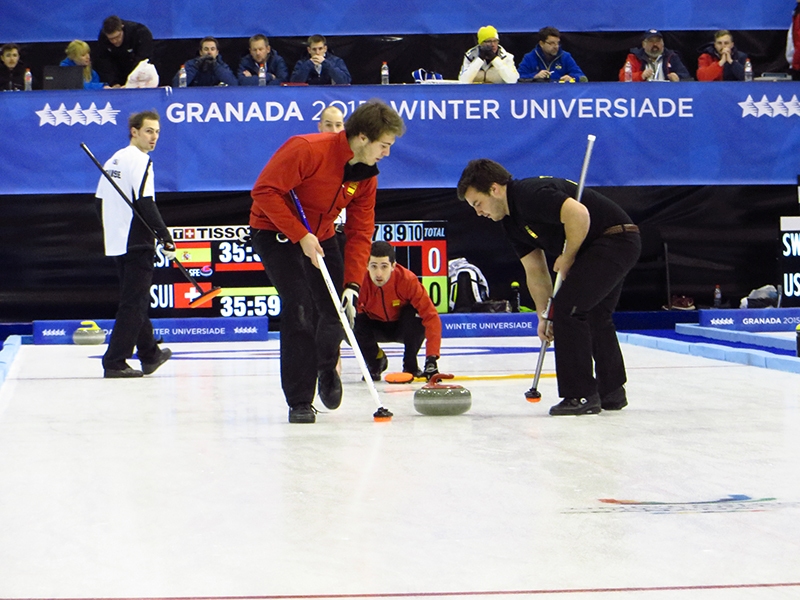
[(89, 335), (438, 400)]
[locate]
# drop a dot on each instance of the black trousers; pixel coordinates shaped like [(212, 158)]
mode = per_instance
[(583, 328), (408, 330), (132, 327), (310, 329)]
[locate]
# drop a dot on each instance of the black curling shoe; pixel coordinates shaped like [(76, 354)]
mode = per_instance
[(577, 406), (616, 400), (125, 373), (302, 413), (330, 389), (148, 368)]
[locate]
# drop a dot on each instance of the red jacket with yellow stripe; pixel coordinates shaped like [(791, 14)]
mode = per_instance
[(403, 288), (315, 167)]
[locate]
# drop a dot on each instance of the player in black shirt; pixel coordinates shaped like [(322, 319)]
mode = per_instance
[(594, 245)]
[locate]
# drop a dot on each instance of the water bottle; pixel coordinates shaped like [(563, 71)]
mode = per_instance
[(717, 297), (182, 77), (515, 299), (28, 80), (748, 70), (262, 75), (628, 71), (384, 74)]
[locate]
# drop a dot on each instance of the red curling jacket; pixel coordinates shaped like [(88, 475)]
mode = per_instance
[(403, 288), (315, 167)]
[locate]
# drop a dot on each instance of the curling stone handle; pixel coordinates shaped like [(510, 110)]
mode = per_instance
[(437, 378)]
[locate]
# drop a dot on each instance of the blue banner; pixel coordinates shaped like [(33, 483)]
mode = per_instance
[(55, 21), (767, 319), (217, 139), (200, 329)]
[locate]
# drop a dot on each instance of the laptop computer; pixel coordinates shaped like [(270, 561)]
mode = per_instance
[(62, 78)]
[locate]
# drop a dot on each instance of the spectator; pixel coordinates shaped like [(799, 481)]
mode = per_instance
[(12, 73), (78, 55), (394, 307), (123, 45), (321, 68), (548, 62), (262, 55), (654, 62), (208, 69), (721, 61), (331, 119), (488, 62)]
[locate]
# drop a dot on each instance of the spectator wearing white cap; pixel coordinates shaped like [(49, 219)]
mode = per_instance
[(488, 62), (654, 62)]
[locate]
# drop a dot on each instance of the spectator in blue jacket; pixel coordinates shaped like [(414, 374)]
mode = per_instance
[(78, 56), (548, 62), (261, 54), (208, 69), (321, 68)]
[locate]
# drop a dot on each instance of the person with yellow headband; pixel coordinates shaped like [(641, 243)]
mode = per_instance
[(488, 62)]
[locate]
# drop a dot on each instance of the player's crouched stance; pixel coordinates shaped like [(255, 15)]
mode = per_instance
[(594, 245), (394, 307)]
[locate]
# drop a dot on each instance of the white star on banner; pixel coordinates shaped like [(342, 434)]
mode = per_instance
[(793, 107), (108, 114), (46, 116), (764, 107), (91, 115), (61, 115), (779, 108), (748, 107), (76, 115)]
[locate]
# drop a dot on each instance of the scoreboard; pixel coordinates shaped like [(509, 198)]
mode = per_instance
[(221, 255)]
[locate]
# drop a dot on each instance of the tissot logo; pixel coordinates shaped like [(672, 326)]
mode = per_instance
[(777, 108), (78, 115)]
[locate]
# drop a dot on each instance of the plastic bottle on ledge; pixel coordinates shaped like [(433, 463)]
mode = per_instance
[(717, 297), (515, 298), (748, 70), (262, 75), (28, 80), (182, 77), (384, 74), (628, 71)]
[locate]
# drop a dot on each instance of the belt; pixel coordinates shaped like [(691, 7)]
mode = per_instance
[(624, 228)]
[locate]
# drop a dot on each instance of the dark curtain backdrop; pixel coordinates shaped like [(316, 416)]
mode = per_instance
[(52, 264)]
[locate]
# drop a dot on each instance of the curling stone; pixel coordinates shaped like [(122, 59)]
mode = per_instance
[(437, 400), (88, 335)]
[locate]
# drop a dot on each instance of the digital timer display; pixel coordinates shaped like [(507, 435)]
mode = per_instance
[(222, 256)]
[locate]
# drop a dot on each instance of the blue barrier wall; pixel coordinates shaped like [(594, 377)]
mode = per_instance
[(55, 20)]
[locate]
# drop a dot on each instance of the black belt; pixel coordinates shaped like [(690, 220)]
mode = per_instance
[(624, 228)]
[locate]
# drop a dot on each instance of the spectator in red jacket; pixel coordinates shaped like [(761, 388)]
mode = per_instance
[(721, 61), (394, 307), (793, 44)]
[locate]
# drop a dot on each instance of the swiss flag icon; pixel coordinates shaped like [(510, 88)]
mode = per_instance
[(186, 293)]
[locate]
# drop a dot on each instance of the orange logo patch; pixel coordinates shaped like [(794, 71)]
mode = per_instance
[(351, 188)]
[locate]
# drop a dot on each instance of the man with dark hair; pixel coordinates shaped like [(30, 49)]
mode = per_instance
[(654, 62), (327, 172), (208, 69), (720, 60), (594, 244), (131, 244), (262, 55), (548, 62), (122, 46), (12, 71), (394, 307), (322, 67)]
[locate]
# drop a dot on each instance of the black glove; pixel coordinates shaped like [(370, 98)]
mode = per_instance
[(206, 63), (486, 53), (431, 368)]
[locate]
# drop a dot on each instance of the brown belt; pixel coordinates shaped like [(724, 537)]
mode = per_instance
[(624, 228)]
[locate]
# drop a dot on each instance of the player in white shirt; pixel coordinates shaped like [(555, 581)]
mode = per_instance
[(131, 244)]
